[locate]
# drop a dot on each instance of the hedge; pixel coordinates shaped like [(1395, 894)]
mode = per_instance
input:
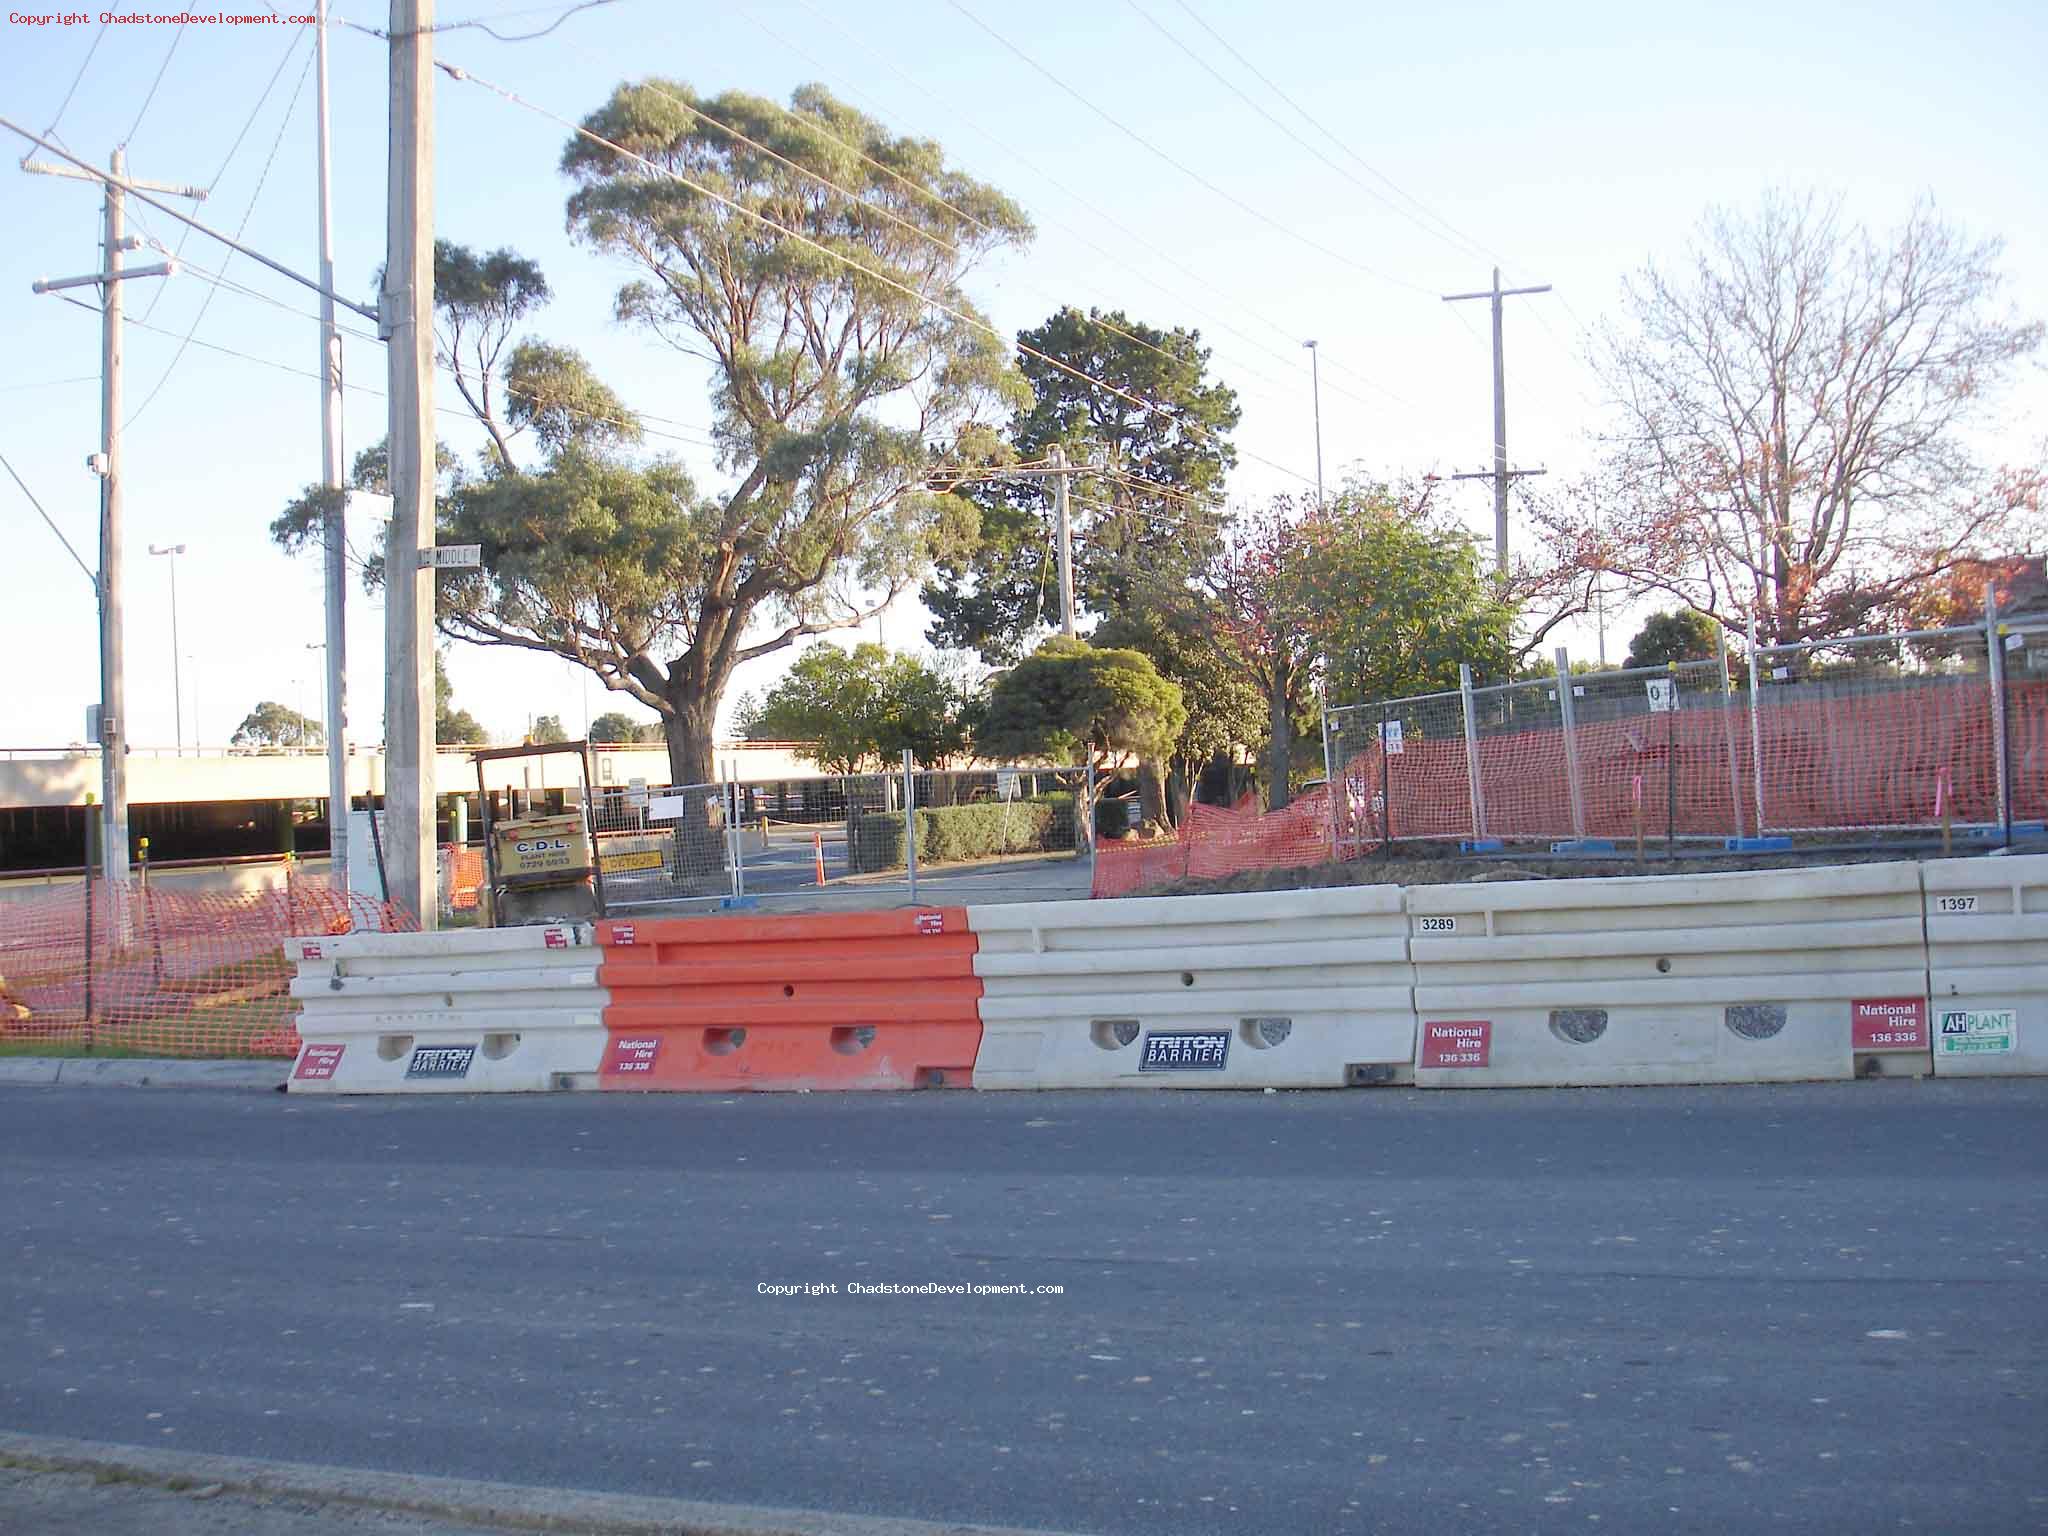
[(951, 833)]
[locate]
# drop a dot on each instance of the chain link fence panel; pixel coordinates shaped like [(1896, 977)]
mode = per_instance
[(1876, 732)]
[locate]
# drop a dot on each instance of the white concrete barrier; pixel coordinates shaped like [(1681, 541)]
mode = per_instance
[(1765, 976), (1987, 953), (1299, 989), (505, 1010)]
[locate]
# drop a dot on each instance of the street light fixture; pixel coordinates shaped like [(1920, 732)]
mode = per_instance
[(1316, 383), (177, 677)]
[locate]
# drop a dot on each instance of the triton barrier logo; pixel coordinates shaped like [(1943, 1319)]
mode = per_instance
[(440, 1061), (1186, 1050)]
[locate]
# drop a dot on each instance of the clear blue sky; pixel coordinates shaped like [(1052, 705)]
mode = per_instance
[(1573, 143)]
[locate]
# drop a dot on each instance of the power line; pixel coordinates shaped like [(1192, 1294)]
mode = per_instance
[(248, 212), (687, 433), (1451, 229), (1235, 201), (482, 25), (83, 378), (1293, 335), (458, 73), (86, 63), (137, 192), (923, 191), (1460, 244), (31, 495), (228, 159), (142, 111)]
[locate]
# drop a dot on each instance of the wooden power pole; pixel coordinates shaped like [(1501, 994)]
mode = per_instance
[(1500, 474)]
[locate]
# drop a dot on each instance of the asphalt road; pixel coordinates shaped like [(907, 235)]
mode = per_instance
[(1814, 1308)]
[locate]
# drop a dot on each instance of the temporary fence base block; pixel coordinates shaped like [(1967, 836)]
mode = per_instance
[(1482, 845), (1756, 844)]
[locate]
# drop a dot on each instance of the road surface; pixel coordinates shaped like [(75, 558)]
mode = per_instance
[(1819, 1308)]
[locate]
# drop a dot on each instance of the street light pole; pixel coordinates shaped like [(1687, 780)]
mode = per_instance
[(317, 645), (334, 535), (1315, 376), (177, 677)]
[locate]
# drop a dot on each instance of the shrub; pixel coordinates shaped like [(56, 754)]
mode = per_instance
[(951, 833)]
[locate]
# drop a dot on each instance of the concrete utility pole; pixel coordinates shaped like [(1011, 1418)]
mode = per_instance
[(336, 531), (405, 321), (1500, 474), (1059, 461), (116, 243)]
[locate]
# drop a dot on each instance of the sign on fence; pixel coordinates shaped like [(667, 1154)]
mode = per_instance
[(1390, 737), (1663, 694)]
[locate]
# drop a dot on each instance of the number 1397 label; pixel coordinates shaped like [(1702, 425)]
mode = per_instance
[(1953, 904)]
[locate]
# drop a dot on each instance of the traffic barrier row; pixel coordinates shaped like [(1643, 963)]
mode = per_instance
[(1886, 969), (494, 1010)]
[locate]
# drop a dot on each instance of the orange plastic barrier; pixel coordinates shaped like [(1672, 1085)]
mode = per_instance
[(839, 1001)]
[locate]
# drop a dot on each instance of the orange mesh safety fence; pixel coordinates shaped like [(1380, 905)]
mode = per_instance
[(1900, 758), (167, 972), (465, 876), (1217, 840)]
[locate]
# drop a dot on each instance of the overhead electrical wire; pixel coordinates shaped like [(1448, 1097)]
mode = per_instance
[(1462, 245), (1422, 216), (482, 24), (143, 110), (77, 79), (461, 74), (61, 539), (1450, 233), (227, 160), (1232, 198), (247, 213), (1292, 335), (813, 126)]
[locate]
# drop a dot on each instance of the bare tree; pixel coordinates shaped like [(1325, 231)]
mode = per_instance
[(1793, 412)]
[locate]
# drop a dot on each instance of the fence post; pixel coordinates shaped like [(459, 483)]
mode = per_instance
[(1728, 725), (1330, 782), (1472, 752), (91, 825), (910, 821), (730, 794), (2001, 745), (1671, 765), (1386, 788), (1756, 735), (1571, 745)]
